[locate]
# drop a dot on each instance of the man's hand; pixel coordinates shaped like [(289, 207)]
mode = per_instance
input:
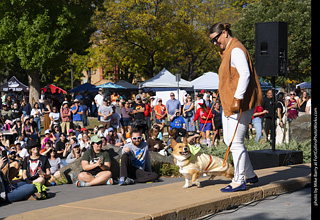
[(126, 149), (99, 162)]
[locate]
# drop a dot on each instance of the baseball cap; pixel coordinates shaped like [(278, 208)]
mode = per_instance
[(201, 102), (95, 139)]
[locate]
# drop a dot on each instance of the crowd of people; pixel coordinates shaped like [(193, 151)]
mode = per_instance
[(137, 124)]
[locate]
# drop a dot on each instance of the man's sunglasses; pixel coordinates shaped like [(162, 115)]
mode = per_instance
[(136, 138), (215, 39)]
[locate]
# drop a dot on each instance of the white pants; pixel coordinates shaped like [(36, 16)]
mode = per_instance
[(242, 165)]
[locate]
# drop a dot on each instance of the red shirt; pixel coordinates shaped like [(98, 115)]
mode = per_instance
[(148, 110), (200, 113), (258, 109)]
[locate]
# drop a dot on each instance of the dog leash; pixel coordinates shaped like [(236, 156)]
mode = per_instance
[(234, 134)]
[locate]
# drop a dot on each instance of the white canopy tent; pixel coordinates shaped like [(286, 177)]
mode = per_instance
[(165, 79), (208, 81), (304, 85)]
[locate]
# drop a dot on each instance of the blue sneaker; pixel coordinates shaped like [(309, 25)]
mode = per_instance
[(122, 181)]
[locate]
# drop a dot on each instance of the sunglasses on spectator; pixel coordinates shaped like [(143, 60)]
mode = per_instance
[(136, 138), (292, 94)]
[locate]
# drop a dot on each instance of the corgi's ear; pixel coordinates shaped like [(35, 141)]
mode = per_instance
[(173, 143)]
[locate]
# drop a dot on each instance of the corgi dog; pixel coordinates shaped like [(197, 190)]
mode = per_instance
[(193, 164)]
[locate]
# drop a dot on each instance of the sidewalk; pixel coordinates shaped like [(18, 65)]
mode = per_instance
[(172, 202)]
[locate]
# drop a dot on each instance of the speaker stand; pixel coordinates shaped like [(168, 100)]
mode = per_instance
[(261, 159)]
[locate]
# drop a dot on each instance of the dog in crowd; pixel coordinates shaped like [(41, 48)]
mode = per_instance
[(193, 163)]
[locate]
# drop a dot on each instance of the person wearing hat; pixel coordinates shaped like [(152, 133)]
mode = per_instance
[(65, 113), (6, 114), (105, 111), (205, 121), (35, 168), (179, 123), (77, 112), (160, 112), (96, 165)]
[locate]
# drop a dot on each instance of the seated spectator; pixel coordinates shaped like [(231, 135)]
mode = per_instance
[(102, 131), (10, 168), (85, 142), (46, 149), (4, 142), (36, 168), (72, 134), (61, 145), (75, 153), (48, 136), (6, 113), (114, 138), (19, 191), (178, 122), (27, 128), (96, 165), (154, 143), (55, 163), (135, 162), (18, 128), (23, 152)]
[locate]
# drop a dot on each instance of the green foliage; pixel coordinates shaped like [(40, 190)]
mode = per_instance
[(252, 145), (164, 169), (37, 35), (142, 37), (298, 16)]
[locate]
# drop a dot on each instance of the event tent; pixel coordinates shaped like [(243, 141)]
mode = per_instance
[(110, 85), (84, 87), (165, 79), (13, 84), (53, 89), (127, 85), (304, 85), (208, 81)]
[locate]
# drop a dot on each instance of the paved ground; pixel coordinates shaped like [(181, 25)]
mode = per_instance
[(163, 200), (295, 205), (68, 193)]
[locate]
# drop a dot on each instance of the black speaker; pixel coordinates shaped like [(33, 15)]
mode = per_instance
[(271, 48)]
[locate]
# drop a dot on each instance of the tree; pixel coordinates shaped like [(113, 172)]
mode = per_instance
[(142, 37), (39, 34), (298, 16)]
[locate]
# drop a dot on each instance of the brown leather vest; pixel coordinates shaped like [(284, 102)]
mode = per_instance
[(229, 77)]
